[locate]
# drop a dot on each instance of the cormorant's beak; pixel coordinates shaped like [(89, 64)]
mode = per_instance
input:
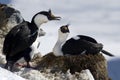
[(53, 17), (67, 25)]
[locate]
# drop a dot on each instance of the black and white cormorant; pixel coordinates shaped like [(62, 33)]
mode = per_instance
[(80, 44), (21, 37)]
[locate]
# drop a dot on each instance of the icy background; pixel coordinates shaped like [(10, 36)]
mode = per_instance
[(99, 19)]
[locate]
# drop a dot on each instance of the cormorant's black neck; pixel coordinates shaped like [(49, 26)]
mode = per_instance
[(33, 27), (33, 23)]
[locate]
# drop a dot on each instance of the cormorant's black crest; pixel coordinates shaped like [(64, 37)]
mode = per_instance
[(49, 15), (50, 11), (65, 29)]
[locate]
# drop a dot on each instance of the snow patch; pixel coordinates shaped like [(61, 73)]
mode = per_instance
[(7, 75), (37, 75), (86, 75)]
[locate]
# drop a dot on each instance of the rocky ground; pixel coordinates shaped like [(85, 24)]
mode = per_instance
[(60, 68)]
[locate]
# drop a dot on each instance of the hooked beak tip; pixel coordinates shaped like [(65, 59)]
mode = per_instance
[(57, 18)]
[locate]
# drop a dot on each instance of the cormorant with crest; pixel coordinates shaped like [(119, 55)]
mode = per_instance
[(80, 44), (22, 36)]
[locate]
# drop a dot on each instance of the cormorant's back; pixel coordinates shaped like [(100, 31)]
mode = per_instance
[(19, 38)]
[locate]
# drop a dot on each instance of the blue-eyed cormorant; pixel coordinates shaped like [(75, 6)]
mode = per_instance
[(19, 39), (80, 44)]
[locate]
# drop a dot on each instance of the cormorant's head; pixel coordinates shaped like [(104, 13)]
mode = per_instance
[(64, 29), (63, 33), (43, 17)]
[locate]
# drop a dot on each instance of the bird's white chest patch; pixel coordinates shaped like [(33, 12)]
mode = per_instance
[(76, 37)]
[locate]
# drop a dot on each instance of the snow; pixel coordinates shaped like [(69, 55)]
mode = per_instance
[(7, 75), (86, 75), (31, 74)]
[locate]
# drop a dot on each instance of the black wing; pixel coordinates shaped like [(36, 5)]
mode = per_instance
[(85, 44), (18, 39), (87, 38)]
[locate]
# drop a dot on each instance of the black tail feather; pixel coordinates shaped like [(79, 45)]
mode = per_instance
[(107, 53)]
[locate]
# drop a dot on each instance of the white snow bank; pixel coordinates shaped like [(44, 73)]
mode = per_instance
[(86, 75), (31, 74), (7, 75)]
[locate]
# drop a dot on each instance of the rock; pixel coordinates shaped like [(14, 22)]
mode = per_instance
[(9, 17), (2, 59), (95, 63)]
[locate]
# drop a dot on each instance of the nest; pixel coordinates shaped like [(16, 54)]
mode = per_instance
[(95, 63)]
